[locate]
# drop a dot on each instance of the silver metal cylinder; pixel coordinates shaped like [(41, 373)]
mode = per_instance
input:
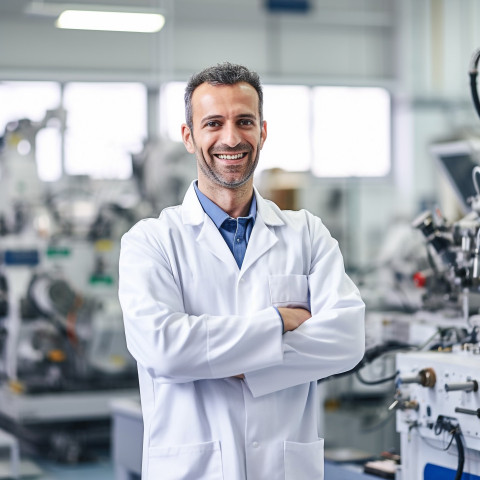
[(476, 265), (415, 379), (470, 386)]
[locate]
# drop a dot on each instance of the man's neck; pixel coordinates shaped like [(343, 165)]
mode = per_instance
[(234, 201)]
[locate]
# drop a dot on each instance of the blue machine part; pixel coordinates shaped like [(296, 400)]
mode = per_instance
[(25, 257), (435, 472)]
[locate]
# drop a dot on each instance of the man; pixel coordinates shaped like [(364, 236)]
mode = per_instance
[(233, 308)]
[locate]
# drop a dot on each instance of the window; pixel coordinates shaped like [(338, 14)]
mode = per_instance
[(351, 132), (31, 100), (48, 154), (286, 110), (331, 131), (27, 100), (287, 113), (172, 110), (106, 122)]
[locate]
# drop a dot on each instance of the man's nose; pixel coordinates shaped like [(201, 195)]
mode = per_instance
[(231, 135)]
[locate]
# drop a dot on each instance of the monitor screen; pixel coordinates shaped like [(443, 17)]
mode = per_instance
[(457, 160)]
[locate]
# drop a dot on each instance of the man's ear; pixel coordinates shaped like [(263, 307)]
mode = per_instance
[(187, 138), (263, 134)]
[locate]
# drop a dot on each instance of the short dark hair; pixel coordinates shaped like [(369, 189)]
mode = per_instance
[(222, 74)]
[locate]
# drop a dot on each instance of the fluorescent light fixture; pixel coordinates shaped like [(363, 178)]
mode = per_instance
[(111, 21)]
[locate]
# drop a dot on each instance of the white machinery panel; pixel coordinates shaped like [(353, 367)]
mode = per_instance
[(438, 415)]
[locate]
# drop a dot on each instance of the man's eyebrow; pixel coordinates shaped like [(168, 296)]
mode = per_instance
[(211, 117), (247, 115), (208, 118)]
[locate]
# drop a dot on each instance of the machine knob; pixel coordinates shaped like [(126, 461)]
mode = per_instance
[(404, 404), (468, 412), (425, 377), (470, 386)]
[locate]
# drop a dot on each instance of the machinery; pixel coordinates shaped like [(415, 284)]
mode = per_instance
[(437, 394), (438, 414), (452, 282), (63, 356)]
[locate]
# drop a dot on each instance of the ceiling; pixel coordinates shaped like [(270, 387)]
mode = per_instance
[(183, 10)]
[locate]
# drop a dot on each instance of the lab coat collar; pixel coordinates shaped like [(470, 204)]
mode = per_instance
[(261, 240), (193, 213)]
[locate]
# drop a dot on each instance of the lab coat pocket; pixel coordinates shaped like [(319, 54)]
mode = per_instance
[(289, 291), (303, 461), (199, 461)]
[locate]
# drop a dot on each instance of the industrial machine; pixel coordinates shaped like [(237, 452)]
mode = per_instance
[(438, 414), (437, 394), (63, 356)]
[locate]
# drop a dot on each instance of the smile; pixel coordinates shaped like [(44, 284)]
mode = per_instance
[(231, 157)]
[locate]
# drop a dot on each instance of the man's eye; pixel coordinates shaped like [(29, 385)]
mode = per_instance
[(212, 124), (246, 122)]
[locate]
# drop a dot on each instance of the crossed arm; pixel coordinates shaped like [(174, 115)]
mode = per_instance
[(292, 319), (175, 347)]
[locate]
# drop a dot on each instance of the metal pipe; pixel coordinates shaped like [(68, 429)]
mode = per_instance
[(470, 386), (468, 411)]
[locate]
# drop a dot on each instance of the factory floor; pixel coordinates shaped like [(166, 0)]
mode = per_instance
[(100, 470), (38, 469), (103, 469)]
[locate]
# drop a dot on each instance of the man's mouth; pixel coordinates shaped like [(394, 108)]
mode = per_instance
[(237, 156)]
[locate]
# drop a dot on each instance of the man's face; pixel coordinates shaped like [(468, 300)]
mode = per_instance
[(227, 134)]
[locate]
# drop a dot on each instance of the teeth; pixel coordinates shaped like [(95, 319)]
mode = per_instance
[(230, 157)]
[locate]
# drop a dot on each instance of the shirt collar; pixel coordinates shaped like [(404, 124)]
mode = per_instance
[(217, 215)]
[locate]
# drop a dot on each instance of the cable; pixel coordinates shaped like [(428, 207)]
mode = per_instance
[(441, 426), (371, 354), (475, 171), (473, 80), (444, 425), (461, 453), (424, 344), (375, 382)]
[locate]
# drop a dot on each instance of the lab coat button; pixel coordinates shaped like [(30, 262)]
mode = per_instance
[(255, 444)]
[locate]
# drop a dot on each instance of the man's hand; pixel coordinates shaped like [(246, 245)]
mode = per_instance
[(293, 317)]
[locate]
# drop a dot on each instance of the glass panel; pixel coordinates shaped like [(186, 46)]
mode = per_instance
[(31, 100), (287, 113), (172, 110), (351, 125), (279, 102), (48, 149), (351, 132), (27, 100), (106, 122)]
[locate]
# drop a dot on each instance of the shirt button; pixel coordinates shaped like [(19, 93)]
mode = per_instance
[(239, 240), (255, 444)]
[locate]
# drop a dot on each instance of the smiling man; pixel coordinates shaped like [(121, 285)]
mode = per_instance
[(233, 308)]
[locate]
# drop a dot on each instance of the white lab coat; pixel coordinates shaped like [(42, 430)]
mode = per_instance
[(194, 320)]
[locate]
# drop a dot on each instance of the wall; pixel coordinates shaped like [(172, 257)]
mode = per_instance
[(343, 39), (419, 49)]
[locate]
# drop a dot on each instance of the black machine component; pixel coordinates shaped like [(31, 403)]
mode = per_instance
[(3, 296), (473, 72)]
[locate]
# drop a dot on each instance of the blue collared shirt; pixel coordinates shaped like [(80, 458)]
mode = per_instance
[(235, 231)]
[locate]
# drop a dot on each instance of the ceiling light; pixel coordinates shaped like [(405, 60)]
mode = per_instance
[(99, 17), (111, 21)]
